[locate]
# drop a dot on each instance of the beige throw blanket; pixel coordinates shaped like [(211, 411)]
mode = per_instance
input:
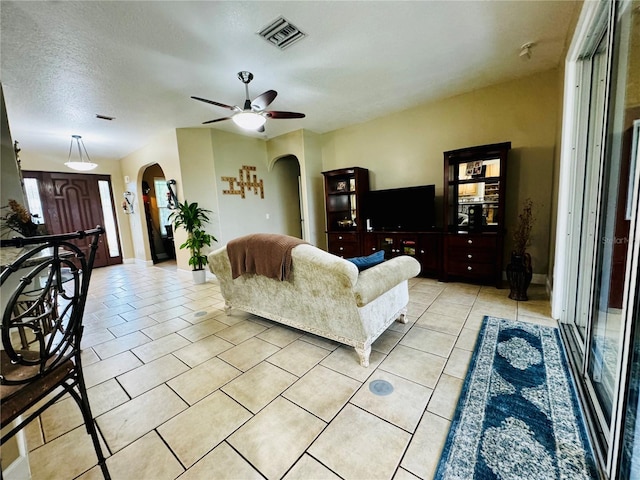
[(266, 254)]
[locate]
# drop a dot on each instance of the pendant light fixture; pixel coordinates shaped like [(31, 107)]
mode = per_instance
[(80, 163)]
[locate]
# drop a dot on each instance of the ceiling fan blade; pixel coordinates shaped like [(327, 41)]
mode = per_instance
[(276, 114), (262, 101), (214, 103), (216, 120)]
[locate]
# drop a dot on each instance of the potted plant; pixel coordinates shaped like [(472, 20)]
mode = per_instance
[(519, 270), (191, 217), (18, 219)]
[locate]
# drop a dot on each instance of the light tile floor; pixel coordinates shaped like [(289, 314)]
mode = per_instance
[(179, 389)]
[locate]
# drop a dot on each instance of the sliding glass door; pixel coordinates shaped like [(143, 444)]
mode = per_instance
[(593, 71), (597, 314), (629, 466)]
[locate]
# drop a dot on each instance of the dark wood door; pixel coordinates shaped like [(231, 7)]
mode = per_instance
[(71, 202)]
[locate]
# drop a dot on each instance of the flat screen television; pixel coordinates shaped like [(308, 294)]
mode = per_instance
[(401, 209)]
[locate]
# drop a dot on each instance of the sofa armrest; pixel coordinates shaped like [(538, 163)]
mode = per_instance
[(374, 281)]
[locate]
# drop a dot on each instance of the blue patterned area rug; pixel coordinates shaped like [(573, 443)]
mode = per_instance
[(518, 416)]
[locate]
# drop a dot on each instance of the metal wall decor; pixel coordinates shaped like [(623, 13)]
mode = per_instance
[(245, 181), (172, 198), (16, 150), (127, 203)]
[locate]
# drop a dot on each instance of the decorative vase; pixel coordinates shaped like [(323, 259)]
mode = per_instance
[(519, 274), (199, 276)]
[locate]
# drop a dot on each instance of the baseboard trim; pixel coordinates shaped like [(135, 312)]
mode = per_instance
[(536, 279), (147, 263), (539, 279)]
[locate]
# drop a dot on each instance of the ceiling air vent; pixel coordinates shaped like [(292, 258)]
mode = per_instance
[(281, 33)]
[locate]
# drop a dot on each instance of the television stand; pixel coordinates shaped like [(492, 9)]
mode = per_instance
[(424, 246)]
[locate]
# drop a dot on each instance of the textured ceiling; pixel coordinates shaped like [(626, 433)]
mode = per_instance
[(138, 61)]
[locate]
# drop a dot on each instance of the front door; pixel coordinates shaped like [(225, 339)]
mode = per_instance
[(77, 201)]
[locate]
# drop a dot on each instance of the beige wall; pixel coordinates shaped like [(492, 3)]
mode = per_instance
[(305, 146), (406, 148), (291, 143), (401, 149), (240, 216), (253, 213), (286, 174), (195, 184), (314, 189), (207, 155), (163, 151)]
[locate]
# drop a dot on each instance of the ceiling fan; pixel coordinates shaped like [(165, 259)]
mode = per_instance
[(253, 115)]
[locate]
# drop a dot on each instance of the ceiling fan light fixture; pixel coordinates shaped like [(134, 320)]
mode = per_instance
[(80, 164), (249, 120), (254, 114)]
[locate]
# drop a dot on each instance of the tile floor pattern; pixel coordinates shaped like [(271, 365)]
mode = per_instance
[(181, 390)]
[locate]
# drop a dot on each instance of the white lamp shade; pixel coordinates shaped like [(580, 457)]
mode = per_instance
[(81, 166), (249, 120)]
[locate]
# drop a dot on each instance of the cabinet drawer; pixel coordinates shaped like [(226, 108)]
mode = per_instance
[(470, 269), (343, 238), (369, 249), (472, 255), (341, 249), (476, 241)]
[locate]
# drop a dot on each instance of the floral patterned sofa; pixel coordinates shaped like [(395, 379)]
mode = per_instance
[(324, 295)]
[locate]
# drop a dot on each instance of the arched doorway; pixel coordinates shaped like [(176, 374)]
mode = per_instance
[(156, 213), (287, 171)]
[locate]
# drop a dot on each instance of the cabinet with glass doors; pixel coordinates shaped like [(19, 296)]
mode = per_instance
[(474, 204)]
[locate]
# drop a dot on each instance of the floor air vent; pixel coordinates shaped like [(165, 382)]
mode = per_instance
[(281, 33)]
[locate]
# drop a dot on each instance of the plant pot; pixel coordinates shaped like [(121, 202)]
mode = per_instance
[(519, 274), (199, 276)]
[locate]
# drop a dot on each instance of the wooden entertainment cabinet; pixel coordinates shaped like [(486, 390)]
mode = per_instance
[(344, 190), (469, 248), (347, 235), (426, 247), (474, 205)]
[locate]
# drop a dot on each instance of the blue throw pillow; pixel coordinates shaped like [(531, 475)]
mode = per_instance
[(369, 261)]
